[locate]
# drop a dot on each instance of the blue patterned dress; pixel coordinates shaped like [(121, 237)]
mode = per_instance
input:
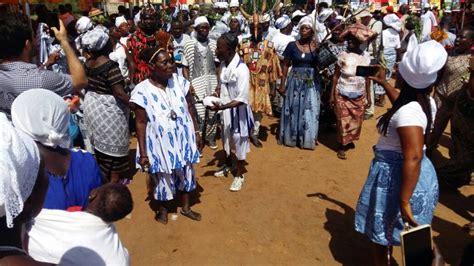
[(171, 144), (378, 208), (299, 123)]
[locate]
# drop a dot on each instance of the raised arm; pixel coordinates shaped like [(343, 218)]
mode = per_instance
[(78, 75)]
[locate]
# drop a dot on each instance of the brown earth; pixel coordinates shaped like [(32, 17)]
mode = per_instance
[(296, 208)]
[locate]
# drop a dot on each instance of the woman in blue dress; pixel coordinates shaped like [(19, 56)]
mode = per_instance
[(72, 173), (167, 139), (402, 186), (299, 123)]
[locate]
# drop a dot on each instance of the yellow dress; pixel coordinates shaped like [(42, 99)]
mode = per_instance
[(265, 69)]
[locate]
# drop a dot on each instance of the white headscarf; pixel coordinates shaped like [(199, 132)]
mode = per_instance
[(421, 63), (325, 14), (19, 165), (282, 22), (84, 24), (44, 116), (94, 40), (200, 20), (391, 20), (307, 20), (120, 20), (223, 5)]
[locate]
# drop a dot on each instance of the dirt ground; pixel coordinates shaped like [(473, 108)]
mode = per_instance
[(296, 208)]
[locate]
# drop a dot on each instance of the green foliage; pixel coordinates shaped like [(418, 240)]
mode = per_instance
[(415, 20)]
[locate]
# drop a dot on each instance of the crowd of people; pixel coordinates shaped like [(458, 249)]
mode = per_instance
[(75, 89)]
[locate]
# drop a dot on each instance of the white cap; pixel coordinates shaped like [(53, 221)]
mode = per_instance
[(234, 3), (421, 63), (223, 5), (265, 18), (364, 13), (392, 20), (200, 20), (120, 20), (282, 22)]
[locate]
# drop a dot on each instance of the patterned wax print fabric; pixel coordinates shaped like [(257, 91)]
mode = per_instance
[(350, 116), (299, 123), (171, 143), (264, 67), (378, 208), (106, 117), (183, 179), (137, 42), (73, 189)]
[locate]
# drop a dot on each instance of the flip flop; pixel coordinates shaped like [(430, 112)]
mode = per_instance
[(191, 215), (341, 155)]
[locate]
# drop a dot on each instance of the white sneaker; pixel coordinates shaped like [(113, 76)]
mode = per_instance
[(237, 183), (224, 171)]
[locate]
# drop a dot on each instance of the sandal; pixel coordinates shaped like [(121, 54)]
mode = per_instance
[(161, 217), (191, 215), (341, 154)]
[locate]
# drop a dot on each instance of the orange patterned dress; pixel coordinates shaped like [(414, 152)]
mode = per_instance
[(265, 69)]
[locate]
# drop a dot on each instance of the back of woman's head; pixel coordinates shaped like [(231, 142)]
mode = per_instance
[(115, 202), (420, 68), (149, 55), (44, 116), (97, 42)]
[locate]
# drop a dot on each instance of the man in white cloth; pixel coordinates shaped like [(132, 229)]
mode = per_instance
[(237, 116), (83, 238), (428, 21), (200, 66)]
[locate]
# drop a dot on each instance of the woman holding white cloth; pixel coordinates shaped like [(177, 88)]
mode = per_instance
[(237, 115)]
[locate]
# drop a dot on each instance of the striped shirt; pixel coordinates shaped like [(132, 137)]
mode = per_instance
[(102, 78)]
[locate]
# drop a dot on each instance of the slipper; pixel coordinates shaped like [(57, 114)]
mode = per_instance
[(159, 217), (191, 215), (341, 155)]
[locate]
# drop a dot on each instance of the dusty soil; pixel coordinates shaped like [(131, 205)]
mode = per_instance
[(296, 208)]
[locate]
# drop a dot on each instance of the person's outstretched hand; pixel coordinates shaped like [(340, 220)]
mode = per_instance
[(61, 34)]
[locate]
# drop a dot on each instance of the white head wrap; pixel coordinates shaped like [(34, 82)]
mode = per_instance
[(184, 7), (234, 3), (325, 14), (392, 20), (421, 63), (19, 165), (44, 116), (200, 20), (265, 18), (308, 21), (240, 19), (298, 13), (223, 5), (95, 39), (84, 24), (282, 22), (120, 20)]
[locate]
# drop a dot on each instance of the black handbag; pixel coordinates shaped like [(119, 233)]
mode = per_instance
[(326, 57)]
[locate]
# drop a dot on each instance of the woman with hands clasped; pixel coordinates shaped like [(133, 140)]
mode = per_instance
[(402, 186), (167, 139)]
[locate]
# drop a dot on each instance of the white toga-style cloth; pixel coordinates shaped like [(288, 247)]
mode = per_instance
[(75, 238), (238, 121)]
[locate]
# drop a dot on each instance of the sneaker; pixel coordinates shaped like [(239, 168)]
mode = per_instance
[(213, 145), (224, 171), (237, 183)]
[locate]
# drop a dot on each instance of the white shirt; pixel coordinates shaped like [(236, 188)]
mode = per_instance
[(124, 40), (391, 38), (75, 238), (280, 41), (119, 55), (179, 51), (409, 115), (428, 20)]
